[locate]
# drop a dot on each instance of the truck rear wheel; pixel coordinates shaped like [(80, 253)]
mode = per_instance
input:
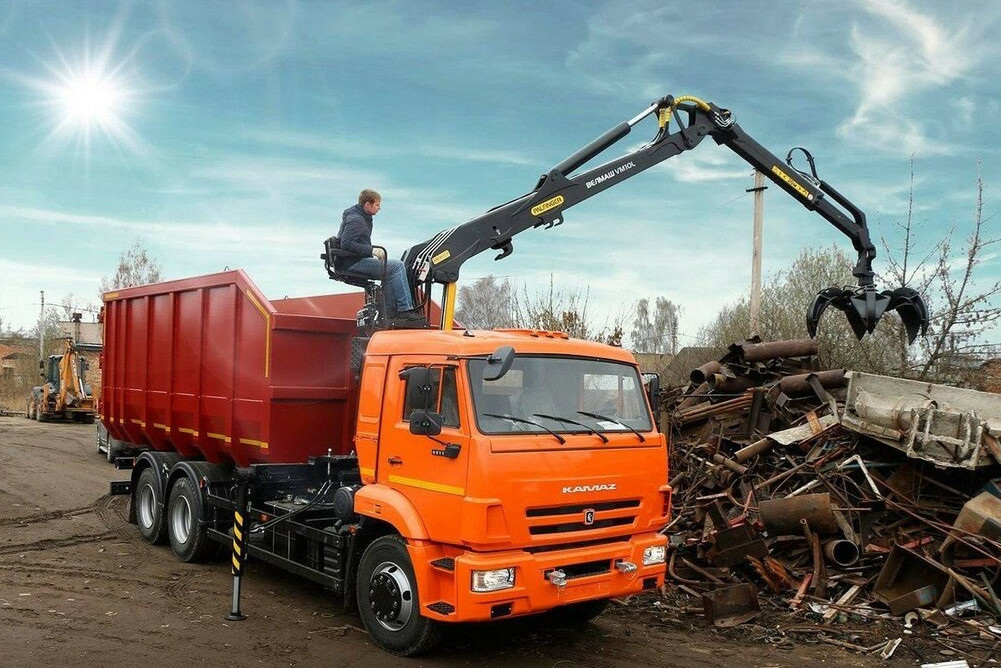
[(149, 508), (388, 600), (188, 538)]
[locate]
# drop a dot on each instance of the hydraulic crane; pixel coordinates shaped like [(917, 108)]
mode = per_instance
[(439, 259)]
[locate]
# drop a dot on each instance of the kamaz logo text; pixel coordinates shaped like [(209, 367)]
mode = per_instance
[(607, 175), (576, 489)]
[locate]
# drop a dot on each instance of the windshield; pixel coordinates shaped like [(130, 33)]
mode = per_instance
[(559, 394)]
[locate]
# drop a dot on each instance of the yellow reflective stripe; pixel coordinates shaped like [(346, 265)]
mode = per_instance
[(162, 426), (221, 437), (236, 564), (185, 430), (424, 484), (267, 332), (236, 548), (250, 441), (237, 533), (792, 183), (138, 422), (367, 471), (239, 518)]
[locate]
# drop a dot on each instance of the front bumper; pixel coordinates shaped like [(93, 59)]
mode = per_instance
[(591, 574)]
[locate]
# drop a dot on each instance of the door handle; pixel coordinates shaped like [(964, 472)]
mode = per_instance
[(395, 461)]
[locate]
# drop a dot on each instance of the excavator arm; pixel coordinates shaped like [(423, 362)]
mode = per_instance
[(438, 260)]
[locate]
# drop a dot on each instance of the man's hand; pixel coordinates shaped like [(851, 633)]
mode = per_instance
[(379, 253)]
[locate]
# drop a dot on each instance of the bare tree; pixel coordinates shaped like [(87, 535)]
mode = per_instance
[(73, 303), (486, 304), (659, 334), (961, 312), (136, 266)]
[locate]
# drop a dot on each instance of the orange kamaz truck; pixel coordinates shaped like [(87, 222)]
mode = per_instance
[(425, 476)]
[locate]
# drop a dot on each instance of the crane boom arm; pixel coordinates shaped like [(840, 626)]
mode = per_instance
[(439, 259)]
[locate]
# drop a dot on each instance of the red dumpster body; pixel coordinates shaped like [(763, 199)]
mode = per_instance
[(210, 368)]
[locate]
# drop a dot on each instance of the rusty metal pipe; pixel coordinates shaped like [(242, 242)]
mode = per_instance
[(701, 375), (800, 384), (782, 516), (841, 552), (759, 352)]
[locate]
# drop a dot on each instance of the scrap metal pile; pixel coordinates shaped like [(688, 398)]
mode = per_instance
[(836, 496)]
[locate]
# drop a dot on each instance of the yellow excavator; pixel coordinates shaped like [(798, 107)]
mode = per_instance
[(64, 393)]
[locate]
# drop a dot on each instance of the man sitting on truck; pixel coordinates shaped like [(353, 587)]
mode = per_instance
[(356, 237)]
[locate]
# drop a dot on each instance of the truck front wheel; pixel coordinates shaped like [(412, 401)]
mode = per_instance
[(388, 600), (149, 508), (188, 537)]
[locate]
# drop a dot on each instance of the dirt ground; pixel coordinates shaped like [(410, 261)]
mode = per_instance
[(78, 587)]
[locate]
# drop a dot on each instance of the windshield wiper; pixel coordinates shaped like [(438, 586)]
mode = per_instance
[(557, 418), (512, 418), (596, 416)]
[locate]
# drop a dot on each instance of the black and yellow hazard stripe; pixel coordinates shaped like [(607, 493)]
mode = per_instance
[(239, 544)]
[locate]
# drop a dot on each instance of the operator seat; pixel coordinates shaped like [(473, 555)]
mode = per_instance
[(372, 315)]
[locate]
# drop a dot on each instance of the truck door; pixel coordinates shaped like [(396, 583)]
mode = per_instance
[(430, 471)]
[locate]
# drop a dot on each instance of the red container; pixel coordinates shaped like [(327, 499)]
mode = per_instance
[(209, 367)]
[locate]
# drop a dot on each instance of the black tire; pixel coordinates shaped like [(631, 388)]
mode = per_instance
[(577, 614), (27, 410), (39, 414), (146, 498), (188, 537), (388, 600)]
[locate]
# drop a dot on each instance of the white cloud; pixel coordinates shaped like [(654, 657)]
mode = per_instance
[(349, 149)]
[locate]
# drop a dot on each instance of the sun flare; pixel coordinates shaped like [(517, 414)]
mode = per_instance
[(91, 99)]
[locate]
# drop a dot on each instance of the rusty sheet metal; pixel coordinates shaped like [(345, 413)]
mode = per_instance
[(730, 606)]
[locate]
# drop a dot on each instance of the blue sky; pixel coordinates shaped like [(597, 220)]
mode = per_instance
[(232, 134)]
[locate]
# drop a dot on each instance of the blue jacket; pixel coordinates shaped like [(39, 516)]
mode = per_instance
[(356, 232)]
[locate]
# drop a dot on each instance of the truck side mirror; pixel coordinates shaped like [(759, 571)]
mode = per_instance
[(420, 391), (425, 423), (498, 363), (652, 382)]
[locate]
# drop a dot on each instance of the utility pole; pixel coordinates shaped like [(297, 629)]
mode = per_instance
[(759, 211), (41, 330)]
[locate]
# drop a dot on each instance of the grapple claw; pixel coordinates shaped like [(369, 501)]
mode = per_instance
[(864, 307), (911, 307), (827, 297)]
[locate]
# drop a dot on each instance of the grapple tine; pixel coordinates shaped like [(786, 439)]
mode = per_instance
[(911, 307), (824, 298)]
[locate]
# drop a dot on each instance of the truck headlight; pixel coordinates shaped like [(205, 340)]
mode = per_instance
[(502, 578), (655, 554)]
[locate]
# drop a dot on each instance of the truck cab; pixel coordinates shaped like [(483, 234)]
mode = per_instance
[(540, 486)]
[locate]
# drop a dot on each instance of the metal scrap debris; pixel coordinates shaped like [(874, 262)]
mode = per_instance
[(834, 495)]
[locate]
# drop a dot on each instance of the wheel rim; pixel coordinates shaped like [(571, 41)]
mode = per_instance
[(180, 519), (146, 504), (391, 596)]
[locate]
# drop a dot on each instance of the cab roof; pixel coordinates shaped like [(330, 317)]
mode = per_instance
[(482, 342)]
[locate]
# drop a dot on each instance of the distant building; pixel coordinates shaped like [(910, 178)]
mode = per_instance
[(17, 360)]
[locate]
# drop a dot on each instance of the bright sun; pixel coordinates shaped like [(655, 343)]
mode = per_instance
[(92, 100)]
